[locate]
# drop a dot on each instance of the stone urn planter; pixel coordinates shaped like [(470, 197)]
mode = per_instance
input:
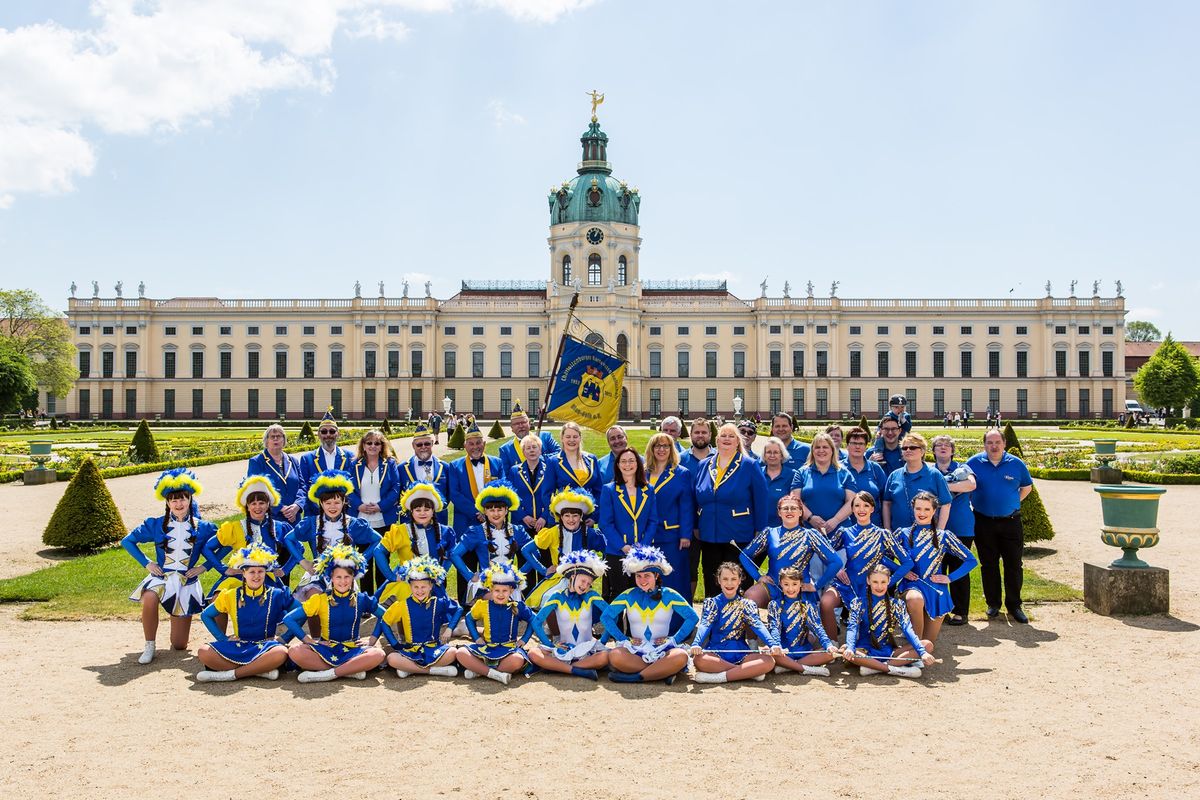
[(1106, 453), (1130, 520)]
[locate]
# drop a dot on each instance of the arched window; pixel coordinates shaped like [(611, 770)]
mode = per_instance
[(594, 269), (623, 346), (622, 271), (566, 271)]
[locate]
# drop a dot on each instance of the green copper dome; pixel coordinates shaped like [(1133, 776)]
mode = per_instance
[(594, 195)]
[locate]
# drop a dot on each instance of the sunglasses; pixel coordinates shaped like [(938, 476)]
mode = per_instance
[(327, 431), (911, 447), (372, 444)]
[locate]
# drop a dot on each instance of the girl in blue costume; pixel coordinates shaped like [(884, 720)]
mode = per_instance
[(789, 545), (866, 546), (576, 609), (283, 471), (497, 539), (413, 624), (570, 508), (628, 517), (254, 610), (499, 650), (657, 618), (926, 588), (339, 651), (675, 502), (793, 620), (721, 650), (331, 526), (255, 497), (418, 533), (174, 580), (874, 622)]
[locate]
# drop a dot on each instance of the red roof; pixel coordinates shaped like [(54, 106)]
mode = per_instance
[(1146, 349)]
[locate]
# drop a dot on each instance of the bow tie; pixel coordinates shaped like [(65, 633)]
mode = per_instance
[(425, 464), (477, 461)]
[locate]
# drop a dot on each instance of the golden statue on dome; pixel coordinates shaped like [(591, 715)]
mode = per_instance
[(597, 99)]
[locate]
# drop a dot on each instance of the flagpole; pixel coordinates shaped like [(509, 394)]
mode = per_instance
[(557, 361)]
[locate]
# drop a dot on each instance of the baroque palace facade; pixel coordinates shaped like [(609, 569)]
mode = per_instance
[(691, 345)]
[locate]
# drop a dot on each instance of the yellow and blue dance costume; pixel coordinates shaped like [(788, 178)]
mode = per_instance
[(235, 534), (501, 624), (413, 627), (657, 621), (340, 619), (575, 614), (178, 546), (254, 617)]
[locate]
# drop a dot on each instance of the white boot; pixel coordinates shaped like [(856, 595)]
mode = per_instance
[(710, 677), (314, 676), (762, 677), (908, 671), (273, 675), (822, 671), (215, 676), (498, 676), (779, 670), (444, 672), (470, 675), (402, 674), (358, 676), (865, 671), (148, 654)]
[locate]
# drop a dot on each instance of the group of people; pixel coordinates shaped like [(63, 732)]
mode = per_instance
[(568, 562)]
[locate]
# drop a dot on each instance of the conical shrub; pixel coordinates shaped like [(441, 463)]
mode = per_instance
[(862, 423), (385, 427), (1010, 441), (457, 439), (496, 431), (143, 449), (306, 433), (86, 518), (1035, 522)]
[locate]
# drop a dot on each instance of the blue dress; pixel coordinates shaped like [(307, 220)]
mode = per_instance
[(414, 627), (777, 487), (340, 618), (796, 547), (796, 626), (501, 624), (675, 503), (724, 627), (865, 548), (928, 550), (874, 623), (254, 617), (286, 479)]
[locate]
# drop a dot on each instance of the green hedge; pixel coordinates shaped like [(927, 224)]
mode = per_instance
[(1061, 474), (143, 469), (1161, 477)]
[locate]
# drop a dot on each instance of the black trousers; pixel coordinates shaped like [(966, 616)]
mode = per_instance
[(960, 590), (1000, 539), (712, 555), (615, 580)]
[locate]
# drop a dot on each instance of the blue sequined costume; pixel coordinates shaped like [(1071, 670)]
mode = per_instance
[(790, 548), (724, 626), (928, 549), (796, 626), (865, 548), (874, 623)]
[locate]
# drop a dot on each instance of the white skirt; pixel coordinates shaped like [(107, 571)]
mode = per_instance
[(581, 650), (177, 597)]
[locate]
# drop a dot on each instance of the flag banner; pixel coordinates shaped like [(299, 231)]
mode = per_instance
[(587, 387)]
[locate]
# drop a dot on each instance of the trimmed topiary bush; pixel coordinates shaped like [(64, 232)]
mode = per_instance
[(457, 439), (1035, 522), (86, 518), (1010, 440), (496, 431), (862, 423), (54, 423), (306, 433), (143, 448), (385, 427)]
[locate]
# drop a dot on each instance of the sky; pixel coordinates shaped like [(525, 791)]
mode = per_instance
[(287, 148)]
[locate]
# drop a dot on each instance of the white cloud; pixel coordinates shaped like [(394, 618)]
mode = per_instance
[(536, 10), (372, 24), (501, 116), (1157, 285), (1144, 313), (36, 159)]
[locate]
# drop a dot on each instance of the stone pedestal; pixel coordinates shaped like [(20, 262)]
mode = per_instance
[(1107, 474), (36, 477), (1121, 592)]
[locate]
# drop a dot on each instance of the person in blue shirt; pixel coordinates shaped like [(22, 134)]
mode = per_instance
[(413, 624), (904, 484), (425, 467), (1002, 482), (926, 588), (675, 502), (875, 621), (866, 475), (886, 451), (731, 505), (836, 434), (961, 483), (824, 486), (617, 442), (700, 439), (325, 457), (783, 426), (748, 431), (283, 470), (721, 649), (510, 452), (628, 516), (778, 470), (792, 618)]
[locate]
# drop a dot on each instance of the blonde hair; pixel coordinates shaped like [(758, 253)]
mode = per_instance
[(777, 442), (729, 427), (385, 452), (827, 439), (672, 459), (532, 437), (917, 439), (571, 425)]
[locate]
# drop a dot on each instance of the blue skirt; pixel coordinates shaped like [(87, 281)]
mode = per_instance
[(849, 593), (938, 602), (242, 652), (337, 653), (732, 650), (424, 655), (493, 653)]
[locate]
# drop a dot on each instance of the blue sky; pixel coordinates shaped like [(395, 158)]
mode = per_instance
[(289, 147)]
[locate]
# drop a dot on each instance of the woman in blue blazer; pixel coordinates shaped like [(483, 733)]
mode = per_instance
[(675, 502), (731, 504), (628, 516), (531, 480), (283, 471), (572, 467), (375, 465)]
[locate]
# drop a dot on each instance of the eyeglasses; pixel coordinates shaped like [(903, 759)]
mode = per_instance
[(890, 429), (662, 446), (372, 444), (422, 444), (911, 447), (789, 508)]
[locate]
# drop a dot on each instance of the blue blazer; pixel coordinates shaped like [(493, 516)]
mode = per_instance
[(734, 509), (626, 521), (675, 502), (509, 456), (410, 473), (389, 489), (311, 467), (461, 496), (533, 490), (287, 480), (563, 477)]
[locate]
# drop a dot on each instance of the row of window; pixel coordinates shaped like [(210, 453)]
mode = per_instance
[(881, 330), (594, 270), (311, 330)]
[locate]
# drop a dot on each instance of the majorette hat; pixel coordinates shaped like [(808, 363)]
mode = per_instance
[(580, 500), (330, 481), (503, 573), (422, 491), (588, 562), (340, 555), (421, 568), (518, 412), (498, 491), (642, 558), (255, 556), (180, 479), (328, 419), (256, 483)]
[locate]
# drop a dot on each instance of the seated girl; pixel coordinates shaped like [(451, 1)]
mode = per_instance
[(576, 607), (792, 618), (256, 496), (499, 650), (413, 624), (496, 539), (926, 588), (874, 622), (253, 611), (720, 651)]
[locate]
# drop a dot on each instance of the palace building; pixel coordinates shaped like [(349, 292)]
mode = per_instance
[(692, 346)]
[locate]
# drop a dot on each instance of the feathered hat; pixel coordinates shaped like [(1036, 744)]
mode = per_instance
[(422, 491), (329, 482), (580, 500), (180, 479), (328, 419), (256, 483), (518, 412), (421, 568), (643, 558), (498, 491), (255, 555), (589, 562), (503, 573), (473, 432), (340, 555)]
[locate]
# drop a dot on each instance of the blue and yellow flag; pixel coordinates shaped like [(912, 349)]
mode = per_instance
[(587, 388)]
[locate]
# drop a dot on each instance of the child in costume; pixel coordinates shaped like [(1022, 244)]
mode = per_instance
[(789, 545), (173, 582), (866, 546), (874, 622), (497, 651), (570, 508), (496, 539), (576, 607), (339, 651), (418, 534), (658, 618), (794, 623), (331, 526), (413, 624), (926, 588), (256, 496), (720, 651), (254, 610)]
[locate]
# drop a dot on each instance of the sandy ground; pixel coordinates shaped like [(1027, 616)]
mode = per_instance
[(1073, 703)]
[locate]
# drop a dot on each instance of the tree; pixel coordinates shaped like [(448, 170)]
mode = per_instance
[(306, 433), (41, 335), (457, 439), (496, 432), (1170, 378), (1138, 331), (86, 518), (17, 379), (862, 423), (143, 447), (385, 427)]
